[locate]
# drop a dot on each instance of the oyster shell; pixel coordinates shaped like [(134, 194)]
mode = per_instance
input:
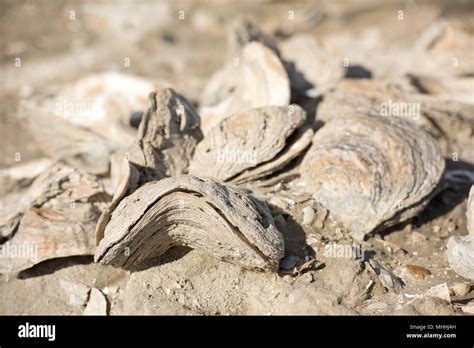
[(103, 103), (258, 79), (318, 62), (62, 141), (55, 217), (165, 142), (20, 176), (450, 122), (240, 32), (220, 220), (167, 135), (252, 144), (457, 89), (370, 171), (84, 122), (447, 46)]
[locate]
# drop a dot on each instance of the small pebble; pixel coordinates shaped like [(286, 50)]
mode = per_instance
[(451, 227), (417, 272)]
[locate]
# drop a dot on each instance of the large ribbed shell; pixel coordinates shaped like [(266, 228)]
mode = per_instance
[(372, 171), (220, 220), (252, 144)]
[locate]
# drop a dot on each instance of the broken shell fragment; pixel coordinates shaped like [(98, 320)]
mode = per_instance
[(16, 177), (252, 144), (470, 212), (372, 172), (460, 249), (461, 255), (97, 304), (54, 218), (387, 278), (217, 219), (256, 79), (167, 135), (460, 289)]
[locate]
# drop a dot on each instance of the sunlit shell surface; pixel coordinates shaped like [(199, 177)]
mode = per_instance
[(255, 79), (258, 141), (371, 172), (164, 145), (320, 64), (217, 219)]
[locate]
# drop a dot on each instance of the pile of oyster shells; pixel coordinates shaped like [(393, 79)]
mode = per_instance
[(277, 117)]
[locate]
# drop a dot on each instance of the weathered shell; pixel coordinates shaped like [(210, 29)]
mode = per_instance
[(86, 121), (167, 135), (20, 176), (77, 146), (447, 46), (54, 218), (102, 103), (222, 83), (460, 249), (450, 122), (362, 97), (240, 32), (447, 88), (320, 64), (252, 144), (372, 172), (165, 142), (220, 220), (256, 79)]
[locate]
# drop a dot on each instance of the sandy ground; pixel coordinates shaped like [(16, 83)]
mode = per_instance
[(55, 50)]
